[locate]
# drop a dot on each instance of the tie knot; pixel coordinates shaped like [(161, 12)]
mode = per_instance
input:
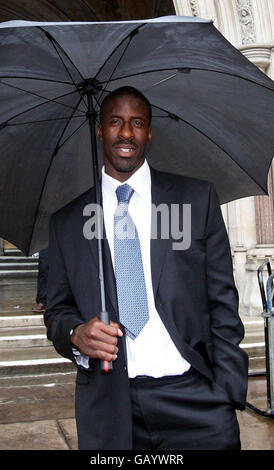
[(124, 193)]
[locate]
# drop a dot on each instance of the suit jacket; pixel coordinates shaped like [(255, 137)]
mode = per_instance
[(194, 292)]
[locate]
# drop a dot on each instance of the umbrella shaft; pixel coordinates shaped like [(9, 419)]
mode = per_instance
[(92, 124)]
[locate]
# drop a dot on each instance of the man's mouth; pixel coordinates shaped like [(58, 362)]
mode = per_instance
[(125, 150)]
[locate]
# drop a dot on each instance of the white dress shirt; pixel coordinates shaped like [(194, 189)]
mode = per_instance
[(153, 352)]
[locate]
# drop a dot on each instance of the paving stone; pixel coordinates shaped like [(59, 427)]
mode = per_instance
[(257, 432), (36, 402), (37, 379), (68, 427), (38, 435)]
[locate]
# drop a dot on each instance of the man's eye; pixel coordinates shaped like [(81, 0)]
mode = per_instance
[(114, 121), (138, 123)]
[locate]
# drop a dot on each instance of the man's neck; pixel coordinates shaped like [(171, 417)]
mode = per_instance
[(121, 176)]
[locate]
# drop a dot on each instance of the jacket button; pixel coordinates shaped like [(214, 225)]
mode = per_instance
[(125, 368)]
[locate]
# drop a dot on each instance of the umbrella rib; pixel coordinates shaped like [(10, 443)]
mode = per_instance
[(66, 68), (53, 40), (47, 172), (176, 118), (191, 68), (131, 34), (40, 104), (77, 129), (48, 100), (44, 120), (66, 126), (56, 45), (36, 78), (98, 104), (118, 62)]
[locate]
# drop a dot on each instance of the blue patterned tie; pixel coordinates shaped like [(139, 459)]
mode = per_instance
[(130, 281)]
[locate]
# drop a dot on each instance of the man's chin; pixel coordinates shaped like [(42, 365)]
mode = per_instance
[(126, 165)]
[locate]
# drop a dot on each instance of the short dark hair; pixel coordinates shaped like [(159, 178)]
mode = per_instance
[(123, 91)]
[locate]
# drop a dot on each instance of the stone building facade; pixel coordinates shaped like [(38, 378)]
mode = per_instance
[(249, 26)]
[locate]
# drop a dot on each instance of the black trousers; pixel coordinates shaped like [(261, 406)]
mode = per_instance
[(184, 412), (42, 279)]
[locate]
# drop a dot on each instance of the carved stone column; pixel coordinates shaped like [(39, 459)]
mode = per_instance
[(265, 216), (260, 55), (240, 217)]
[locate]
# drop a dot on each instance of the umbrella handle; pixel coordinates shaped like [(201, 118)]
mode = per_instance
[(105, 366)]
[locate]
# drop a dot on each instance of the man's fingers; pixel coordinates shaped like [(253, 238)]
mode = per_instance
[(120, 333), (99, 326), (104, 347), (99, 335), (99, 354), (105, 356), (112, 329)]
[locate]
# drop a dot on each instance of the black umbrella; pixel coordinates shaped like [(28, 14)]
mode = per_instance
[(212, 112)]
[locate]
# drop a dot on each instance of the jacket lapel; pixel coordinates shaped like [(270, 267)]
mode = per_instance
[(109, 278), (160, 194)]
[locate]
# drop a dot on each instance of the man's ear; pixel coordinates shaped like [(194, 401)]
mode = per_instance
[(99, 132), (149, 136)]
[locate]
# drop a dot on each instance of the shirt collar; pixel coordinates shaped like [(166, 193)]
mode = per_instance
[(140, 181)]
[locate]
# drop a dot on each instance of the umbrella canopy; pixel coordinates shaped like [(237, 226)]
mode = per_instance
[(212, 111)]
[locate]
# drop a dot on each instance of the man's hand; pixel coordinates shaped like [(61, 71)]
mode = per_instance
[(97, 340)]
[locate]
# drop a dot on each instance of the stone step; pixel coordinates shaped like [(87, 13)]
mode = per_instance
[(253, 337), (35, 360), (22, 331), (17, 321), (19, 281), (24, 341), (28, 354), (23, 336), (254, 340), (254, 344), (17, 260), (38, 379), (19, 311), (254, 349), (256, 364), (45, 401), (251, 325), (17, 266), (13, 252), (18, 273)]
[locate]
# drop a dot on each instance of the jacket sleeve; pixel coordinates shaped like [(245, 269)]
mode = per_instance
[(230, 362), (61, 314)]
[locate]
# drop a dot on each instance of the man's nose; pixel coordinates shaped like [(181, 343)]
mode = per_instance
[(126, 131)]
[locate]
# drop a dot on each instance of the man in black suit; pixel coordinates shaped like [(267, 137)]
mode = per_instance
[(178, 379), (42, 281)]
